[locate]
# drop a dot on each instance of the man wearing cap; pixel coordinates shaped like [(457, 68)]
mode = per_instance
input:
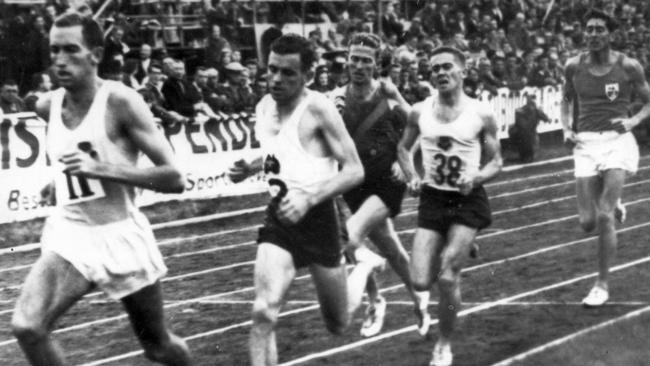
[(155, 100), (237, 90)]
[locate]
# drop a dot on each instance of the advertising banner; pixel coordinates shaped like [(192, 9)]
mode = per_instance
[(204, 148)]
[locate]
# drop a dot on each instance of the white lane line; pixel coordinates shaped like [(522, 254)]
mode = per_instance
[(559, 341), (516, 167), (406, 231), (395, 287), (349, 346), (34, 246), (238, 291), (462, 313), (403, 214)]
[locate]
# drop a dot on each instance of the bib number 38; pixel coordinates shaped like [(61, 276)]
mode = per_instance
[(448, 169)]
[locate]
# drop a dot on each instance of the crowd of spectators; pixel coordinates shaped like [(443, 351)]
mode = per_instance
[(509, 43)]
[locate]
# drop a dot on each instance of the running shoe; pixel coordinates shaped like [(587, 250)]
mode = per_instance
[(620, 213), (374, 318), (598, 296), (422, 313), (442, 355)]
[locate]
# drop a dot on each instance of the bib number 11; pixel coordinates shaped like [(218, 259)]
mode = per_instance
[(71, 189), (448, 170)]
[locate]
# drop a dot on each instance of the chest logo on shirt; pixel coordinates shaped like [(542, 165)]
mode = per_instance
[(611, 90), (277, 188), (444, 142)]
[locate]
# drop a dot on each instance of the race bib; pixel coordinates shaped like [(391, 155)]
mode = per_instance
[(72, 189)]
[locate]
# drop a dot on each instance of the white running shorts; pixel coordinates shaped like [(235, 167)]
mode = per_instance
[(120, 258), (596, 152)]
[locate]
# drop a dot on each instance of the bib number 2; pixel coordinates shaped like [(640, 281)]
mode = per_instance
[(448, 170)]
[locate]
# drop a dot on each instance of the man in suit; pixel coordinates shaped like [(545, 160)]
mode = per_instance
[(143, 64), (180, 95)]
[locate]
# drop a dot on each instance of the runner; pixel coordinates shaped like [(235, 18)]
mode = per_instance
[(600, 83), (456, 134), (309, 159), (374, 113), (96, 236)]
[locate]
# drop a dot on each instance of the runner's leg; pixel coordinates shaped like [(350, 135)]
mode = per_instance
[(145, 309), (588, 189), (452, 258), (274, 272), (52, 286), (331, 288)]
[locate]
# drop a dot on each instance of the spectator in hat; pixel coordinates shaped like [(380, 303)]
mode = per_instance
[(155, 100), (239, 94)]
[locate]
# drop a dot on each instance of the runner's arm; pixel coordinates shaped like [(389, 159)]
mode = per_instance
[(243, 169), (409, 136), (342, 148), (640, 88), (491, 148), (134, 117), (568, 100)]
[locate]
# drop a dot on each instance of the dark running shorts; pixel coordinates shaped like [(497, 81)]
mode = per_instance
[(440, 209), (388, 189), (316, 239)]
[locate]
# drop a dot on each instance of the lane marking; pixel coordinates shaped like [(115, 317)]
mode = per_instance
[(462, 313), (559, 341), (34, 246), (349, 346)]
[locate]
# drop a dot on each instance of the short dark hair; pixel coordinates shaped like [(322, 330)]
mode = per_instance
[(90, 31), (610, 22), (458, 54), (292, 43)]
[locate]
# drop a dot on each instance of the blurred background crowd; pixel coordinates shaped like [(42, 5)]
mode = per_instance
[(189, 57)]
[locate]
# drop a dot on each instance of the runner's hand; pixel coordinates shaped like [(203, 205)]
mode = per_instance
[(48, 195), (239, 171), (293, 207), (81, 164), (622, 125), (414, 186), (398, 174), (570, 138), (389, 89), (466, 183)]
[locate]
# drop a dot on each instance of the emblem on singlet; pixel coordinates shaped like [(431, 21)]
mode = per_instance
[(444, 142), (277, 188), (611, 90)]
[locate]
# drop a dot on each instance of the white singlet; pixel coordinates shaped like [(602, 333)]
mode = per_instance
[(284, 156), (96, 225), (450, 149), (87, 200)]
